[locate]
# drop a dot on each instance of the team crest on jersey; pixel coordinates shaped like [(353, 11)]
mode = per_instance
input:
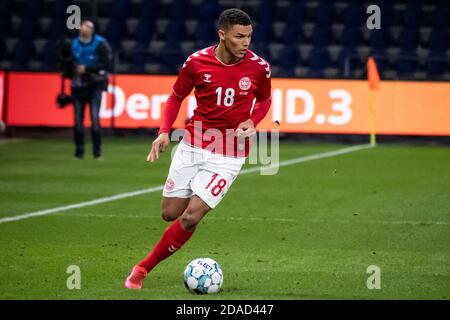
[(170, 184), (207, 77), (245, 83)]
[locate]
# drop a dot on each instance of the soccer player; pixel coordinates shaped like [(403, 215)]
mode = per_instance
[(227, 78)]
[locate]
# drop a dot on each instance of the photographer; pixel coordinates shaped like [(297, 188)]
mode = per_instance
[(88, 65)]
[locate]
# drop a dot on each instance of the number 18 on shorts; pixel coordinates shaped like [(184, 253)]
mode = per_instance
[(201, 172)]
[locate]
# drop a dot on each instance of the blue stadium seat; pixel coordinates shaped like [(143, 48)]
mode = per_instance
[(34, 8), (440, 18), (296, 14), (121, 9), (286, 72), (441, 4), (171, 58), (437, 65), (144, 30), (351, 37), (387, 18), (205, 34), (104, 9), (59, 9), (29, 29), (6, 8), (2, 51), (49, 56), (266, 12), (355, 15), (22, 52), (379, 38), (169, 69), (409, 39), (178, 10), (19, 19), (208, 11), (56, 29), (412, 17), (322, 36), (288, 57), (325, 14), (5, 27), (115, 32), (126, 50), (171, 46), (136, 69), (439, 40), (318, 59), (407, 64), (292, 35), (175, 31), (349, 55), (150, 10), (139, 58), (263, 33)]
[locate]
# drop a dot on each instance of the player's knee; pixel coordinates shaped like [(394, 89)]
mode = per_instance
[(192, 216), (189, 221), (168, 215)]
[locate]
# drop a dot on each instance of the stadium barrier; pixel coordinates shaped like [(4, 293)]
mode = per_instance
[(2, 96), (298, 105)]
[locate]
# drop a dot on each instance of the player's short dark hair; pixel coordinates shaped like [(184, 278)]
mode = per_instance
[(233, 16)]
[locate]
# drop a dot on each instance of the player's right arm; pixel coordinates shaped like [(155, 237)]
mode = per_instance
[(181, 89)]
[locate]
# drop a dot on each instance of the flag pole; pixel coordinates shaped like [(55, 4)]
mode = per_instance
[(372, 114), (374, 81)]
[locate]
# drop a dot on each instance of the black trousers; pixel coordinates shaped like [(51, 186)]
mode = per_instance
[(92, 97)]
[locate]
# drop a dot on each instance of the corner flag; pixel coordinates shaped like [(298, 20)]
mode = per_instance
[(372, 74), (374, 82)]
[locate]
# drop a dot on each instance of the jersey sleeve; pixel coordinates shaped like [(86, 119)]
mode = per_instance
[(181, 89), (260, 111), (263, 95), (264, 90), (170, 114), (185, 80)]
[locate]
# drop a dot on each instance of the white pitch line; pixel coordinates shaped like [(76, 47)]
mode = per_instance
[(159, 188), (136, 216), (406, 222), (227, 218), (80, 205), (317, 156)]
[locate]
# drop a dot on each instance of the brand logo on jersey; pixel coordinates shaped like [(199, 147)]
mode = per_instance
[(170, 184), (245, 83), (207, 77)]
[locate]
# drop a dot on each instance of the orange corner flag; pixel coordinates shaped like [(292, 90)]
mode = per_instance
[(372, 74)]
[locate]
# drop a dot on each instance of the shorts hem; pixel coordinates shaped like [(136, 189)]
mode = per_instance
[(206, 200), (171, 195)]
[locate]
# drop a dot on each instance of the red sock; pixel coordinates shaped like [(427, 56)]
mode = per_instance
[(173, 239)]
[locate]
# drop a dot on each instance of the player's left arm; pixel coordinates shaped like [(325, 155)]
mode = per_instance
[(261, 107)]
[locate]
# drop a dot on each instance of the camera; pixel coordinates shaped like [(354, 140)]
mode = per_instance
[(62, 100), (66, 66)]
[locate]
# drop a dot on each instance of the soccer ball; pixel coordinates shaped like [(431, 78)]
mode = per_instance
[(203, 275)]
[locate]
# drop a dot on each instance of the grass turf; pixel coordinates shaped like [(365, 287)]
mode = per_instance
[(309, 232)]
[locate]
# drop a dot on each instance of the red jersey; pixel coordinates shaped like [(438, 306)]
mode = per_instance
[(225, 96)]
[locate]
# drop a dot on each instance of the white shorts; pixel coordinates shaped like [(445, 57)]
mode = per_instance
[(195, 171)]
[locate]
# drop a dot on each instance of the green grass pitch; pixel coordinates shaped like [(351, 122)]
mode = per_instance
[(309, 232)]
